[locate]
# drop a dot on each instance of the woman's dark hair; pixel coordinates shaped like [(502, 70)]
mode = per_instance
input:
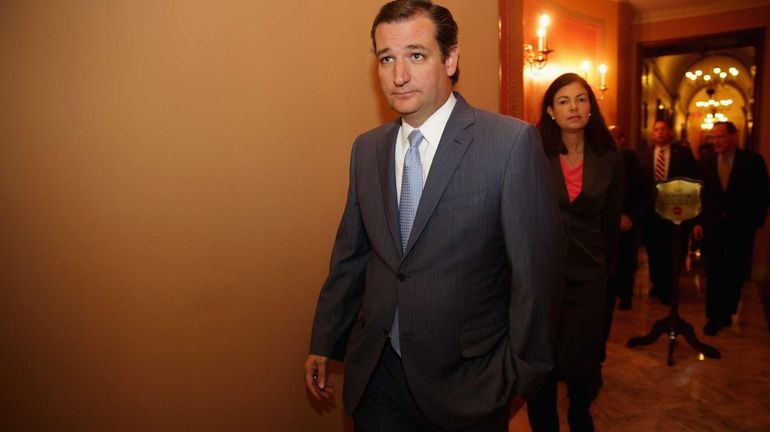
[(404, 10), (596, 134)]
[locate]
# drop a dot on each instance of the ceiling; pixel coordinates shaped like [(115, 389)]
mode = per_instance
[(670, 69)]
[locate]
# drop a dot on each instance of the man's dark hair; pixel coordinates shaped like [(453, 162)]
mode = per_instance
[(596, 134), (404, 10), (731, 129)]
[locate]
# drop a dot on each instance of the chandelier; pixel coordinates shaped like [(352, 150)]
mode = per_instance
[(719, 76), (713, 107)]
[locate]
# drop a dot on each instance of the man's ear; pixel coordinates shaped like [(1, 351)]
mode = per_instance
[(451, 60)]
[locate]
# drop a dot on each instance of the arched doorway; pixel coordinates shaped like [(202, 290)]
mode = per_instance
[(695, 82)]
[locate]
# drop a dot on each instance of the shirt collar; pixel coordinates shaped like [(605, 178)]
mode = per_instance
[(728, 155), (433, 128)]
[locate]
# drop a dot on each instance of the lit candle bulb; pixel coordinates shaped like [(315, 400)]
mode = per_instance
[(585, 67), (602, 75), (541, 39), (542, 44)]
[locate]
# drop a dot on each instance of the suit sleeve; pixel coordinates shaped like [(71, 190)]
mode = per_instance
[(704, 217), (535, 243), (633, 188), (340, 299), (690, 165), (613, 207)]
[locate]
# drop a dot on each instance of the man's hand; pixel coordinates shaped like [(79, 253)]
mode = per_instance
[(697, 232), (315, 378)]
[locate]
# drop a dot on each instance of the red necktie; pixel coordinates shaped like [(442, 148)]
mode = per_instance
[(660, 165)]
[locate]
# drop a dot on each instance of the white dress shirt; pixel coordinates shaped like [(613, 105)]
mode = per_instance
[(431, 130)]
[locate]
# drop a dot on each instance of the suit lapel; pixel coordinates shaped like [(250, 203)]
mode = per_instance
[(454, 142), (386, 151), (738, 161), (674, 164)]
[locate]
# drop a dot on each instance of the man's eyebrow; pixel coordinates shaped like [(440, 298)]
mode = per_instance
[(418, 47)]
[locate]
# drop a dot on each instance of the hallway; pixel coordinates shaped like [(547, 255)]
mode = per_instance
[(642, 393)]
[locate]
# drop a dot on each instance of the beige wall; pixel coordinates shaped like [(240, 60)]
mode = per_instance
[(712, 24), (171, 176)]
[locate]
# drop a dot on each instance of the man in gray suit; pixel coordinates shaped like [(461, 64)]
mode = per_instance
[(442, 298)]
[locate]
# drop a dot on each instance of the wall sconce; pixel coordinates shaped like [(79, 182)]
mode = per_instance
[(585, 69), (603, 79), (538, 58)]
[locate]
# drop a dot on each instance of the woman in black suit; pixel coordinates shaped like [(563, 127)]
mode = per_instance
[(587, 167)]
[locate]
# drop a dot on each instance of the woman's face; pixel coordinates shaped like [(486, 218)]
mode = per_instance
[(571, 109)]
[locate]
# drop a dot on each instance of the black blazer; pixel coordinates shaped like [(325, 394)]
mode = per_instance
[(592, 220), (479, 284), (743, 205)]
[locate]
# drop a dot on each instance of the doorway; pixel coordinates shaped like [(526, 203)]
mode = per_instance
[(693, 83)]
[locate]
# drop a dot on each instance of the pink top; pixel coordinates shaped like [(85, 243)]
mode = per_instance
[(573, 178)]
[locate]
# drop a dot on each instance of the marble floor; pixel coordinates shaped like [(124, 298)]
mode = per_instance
[(642, 393)]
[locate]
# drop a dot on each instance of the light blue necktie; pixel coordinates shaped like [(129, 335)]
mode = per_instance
[(411, 190)]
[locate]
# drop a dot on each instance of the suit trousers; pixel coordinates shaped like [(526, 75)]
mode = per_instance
[(728, 262), (387, 404), (578, 346), (542, 408), (621, 285)]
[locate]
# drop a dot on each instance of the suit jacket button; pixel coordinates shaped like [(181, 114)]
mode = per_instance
[(401, 277)]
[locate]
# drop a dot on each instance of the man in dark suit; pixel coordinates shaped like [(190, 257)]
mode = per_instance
[(662, 162), (735, 198), (621, 284), (442, 320)]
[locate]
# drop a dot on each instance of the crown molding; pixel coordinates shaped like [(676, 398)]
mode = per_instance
[(651, 11)]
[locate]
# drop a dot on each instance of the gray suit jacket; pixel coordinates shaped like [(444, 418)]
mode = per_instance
[(479, 284)]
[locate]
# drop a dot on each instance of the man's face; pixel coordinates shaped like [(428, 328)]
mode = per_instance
[(661, 134), (414, 79), (723, 140)]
